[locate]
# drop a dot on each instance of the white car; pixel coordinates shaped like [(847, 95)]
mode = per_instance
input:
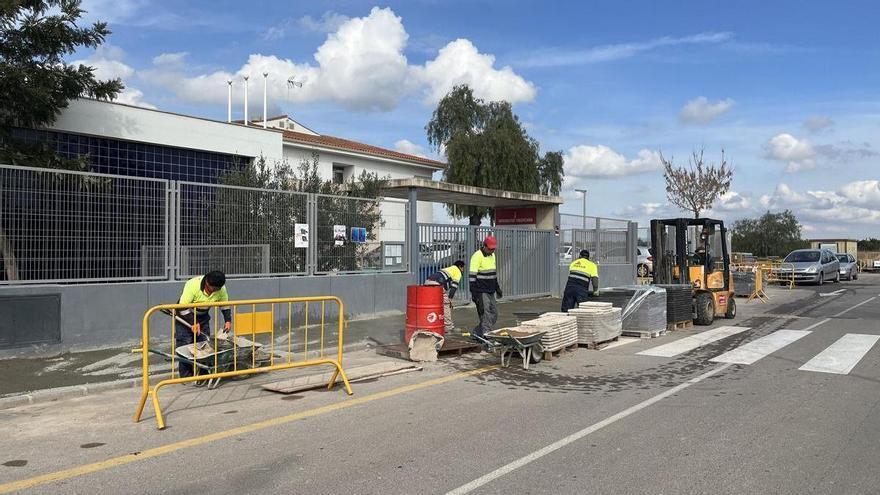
[(645, 263)]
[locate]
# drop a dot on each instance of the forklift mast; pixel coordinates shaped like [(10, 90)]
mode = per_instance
[(669, 242)]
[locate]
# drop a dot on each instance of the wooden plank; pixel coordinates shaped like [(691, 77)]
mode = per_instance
[(356, 373)]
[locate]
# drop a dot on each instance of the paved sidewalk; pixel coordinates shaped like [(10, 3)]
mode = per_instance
[(23, 375)]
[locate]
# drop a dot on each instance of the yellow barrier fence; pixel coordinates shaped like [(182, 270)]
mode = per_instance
[(217, 356)]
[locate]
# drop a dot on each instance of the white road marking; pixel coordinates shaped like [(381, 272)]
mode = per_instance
[(553, 447), (757, 349), (856, 306), (842, 356), (690, 343), (834, 293)]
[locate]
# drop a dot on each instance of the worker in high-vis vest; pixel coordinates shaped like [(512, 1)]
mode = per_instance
[(583, 280), (449, 279), (207, 288), (483, 283)]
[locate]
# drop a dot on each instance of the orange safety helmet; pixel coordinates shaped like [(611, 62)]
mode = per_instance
[(491, 242)]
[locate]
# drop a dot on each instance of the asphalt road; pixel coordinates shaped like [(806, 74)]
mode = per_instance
[(610, 421)]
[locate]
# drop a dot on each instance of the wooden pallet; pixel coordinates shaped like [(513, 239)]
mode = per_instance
[(681, 325), (598, 346), (551, 355), (451, 347), (644, 335)]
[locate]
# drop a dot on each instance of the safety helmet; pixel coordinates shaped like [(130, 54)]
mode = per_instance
[(491, 242)]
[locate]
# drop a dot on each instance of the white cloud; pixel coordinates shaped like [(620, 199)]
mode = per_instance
[(459, 62), (732, 201), (361, 66), (409, 147), (132, 96), (606, 53), (171, 60), (702, 111), (602, 161), (107, 61), (863, 192), (108, 64), (799, 154), (818, 123), (330, 21)]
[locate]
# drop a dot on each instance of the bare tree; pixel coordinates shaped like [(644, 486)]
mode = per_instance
[(695, 187)]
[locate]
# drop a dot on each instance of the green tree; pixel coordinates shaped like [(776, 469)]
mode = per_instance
[(36, 82), (871, 244), (772, 234), (486, 146), (695, 187), (263, 207)]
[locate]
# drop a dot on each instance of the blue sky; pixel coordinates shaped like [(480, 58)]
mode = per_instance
[(788, 89)]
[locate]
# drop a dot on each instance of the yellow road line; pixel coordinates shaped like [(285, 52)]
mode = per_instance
[(220, 435)]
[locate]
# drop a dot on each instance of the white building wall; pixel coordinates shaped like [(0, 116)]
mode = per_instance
[(113, 120), (295, 154)]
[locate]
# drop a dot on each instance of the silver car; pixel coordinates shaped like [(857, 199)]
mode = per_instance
[(849, 268), (645, 261), (810, 265)]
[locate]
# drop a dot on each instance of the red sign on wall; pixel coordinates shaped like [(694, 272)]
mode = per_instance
[(516, 216)]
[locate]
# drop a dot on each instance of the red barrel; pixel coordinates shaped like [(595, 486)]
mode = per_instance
[(424, 310)]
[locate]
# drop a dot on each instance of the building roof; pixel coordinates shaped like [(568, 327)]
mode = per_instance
[(356, 147)]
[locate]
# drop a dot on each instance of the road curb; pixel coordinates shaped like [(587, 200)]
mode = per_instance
[(72, 391)]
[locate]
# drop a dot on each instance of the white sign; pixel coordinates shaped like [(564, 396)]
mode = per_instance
[(301, 239), (338, 235), (876, 263)]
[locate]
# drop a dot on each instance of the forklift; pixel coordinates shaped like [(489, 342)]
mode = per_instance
[(695, 252)]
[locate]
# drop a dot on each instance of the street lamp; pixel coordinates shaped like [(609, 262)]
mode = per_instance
[(584, 216)]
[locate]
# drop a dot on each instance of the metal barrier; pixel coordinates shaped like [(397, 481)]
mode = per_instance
[(211, 364)]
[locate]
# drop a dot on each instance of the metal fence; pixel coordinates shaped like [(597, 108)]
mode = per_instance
[(75, 227), (526, 258), (65, 227), (610, 240)]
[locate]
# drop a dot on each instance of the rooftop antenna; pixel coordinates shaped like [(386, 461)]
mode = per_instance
[(245, 100), (229, 101), (292, 82), (265, 78)]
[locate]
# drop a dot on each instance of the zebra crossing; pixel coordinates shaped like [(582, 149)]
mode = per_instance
[(838, 358)]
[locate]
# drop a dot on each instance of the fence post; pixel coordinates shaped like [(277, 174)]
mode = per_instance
[(312, 220), (412, 237), (632, 238), (176, 220)]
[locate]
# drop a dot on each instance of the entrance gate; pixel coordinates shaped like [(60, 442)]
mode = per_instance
[(527, 258)]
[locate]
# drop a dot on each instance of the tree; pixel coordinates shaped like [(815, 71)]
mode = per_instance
[(772, 234), (486, 146), (695, 188), (268, 211), (36, 82), (871, 244)]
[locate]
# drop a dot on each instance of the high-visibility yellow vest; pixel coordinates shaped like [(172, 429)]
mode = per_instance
[(193, 293), (482, 274), (581, 271)]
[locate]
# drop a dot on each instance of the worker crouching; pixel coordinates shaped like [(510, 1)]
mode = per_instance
[(483, 283), (448, 278), (207, 288), (583, 280)]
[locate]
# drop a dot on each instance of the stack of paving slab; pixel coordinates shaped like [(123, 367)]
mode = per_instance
[(743, 283), (679, 302), (597, 322), (561, 330), (644, 308)]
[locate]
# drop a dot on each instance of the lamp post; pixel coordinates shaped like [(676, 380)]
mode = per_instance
[(584, 215)]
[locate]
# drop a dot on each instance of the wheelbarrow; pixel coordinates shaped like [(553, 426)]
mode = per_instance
[(524, 342), (203, 356)]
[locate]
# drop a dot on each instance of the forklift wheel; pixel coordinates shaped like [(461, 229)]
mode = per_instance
[(705, 307), (731, 308)]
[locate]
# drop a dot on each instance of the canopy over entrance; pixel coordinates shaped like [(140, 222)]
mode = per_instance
[(444, 192)]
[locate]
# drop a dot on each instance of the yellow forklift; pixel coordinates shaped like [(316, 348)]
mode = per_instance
[(695, 251)]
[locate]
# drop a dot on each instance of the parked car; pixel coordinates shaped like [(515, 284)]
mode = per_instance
[(565, 253), (645, 261), (849, 268), (810, 265)]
